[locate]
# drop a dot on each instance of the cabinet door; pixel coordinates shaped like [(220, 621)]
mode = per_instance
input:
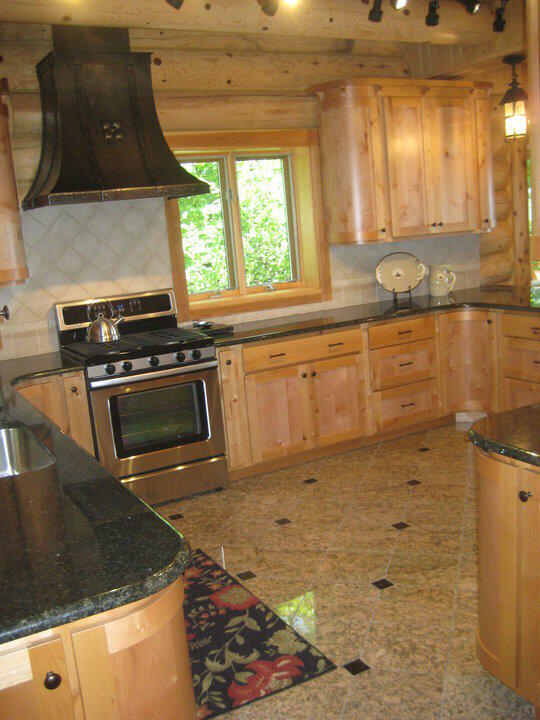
[(79, 425), (450, 152), (49, 398), (23, 694), (338, 399), (509, 572), (517, 393), (486, 191), (279, 412), (467, 350), (352, 167), (233, 396), (406, 166)]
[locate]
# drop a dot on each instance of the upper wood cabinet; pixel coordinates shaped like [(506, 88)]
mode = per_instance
[(405, 158)]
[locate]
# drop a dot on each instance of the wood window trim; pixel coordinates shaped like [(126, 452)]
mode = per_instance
[(314, 261)]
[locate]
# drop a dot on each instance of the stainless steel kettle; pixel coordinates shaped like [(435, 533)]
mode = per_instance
[(103, 329)]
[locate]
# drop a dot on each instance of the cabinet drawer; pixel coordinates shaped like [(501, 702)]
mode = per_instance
[(401, 364), (300, 350), (405, 405), (517, 393), (397, 333), (521, 359), (522, 326)]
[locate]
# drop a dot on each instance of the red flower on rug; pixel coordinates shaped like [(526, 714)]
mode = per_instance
[(233, 597), (267, 677)]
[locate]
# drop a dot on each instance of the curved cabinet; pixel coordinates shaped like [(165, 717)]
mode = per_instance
[(508, 636), (130, 663)]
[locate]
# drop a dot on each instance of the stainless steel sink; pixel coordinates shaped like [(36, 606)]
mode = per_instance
[(20, 451)]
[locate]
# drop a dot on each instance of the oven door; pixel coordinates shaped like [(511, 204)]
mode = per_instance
[(148, 424)]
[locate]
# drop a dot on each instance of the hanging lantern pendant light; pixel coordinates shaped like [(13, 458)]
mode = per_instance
[(514, 102)]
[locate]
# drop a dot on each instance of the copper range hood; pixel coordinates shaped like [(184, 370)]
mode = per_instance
[(101, 137)]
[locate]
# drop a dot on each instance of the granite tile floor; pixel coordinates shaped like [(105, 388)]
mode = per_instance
[(320, 572)]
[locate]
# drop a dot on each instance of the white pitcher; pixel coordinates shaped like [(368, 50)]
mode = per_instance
[(441, 280)]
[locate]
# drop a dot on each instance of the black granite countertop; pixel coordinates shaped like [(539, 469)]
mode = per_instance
[(515, 434), (503, 297), (75, 541)]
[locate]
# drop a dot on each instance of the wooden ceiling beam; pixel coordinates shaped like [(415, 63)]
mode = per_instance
[(310, 18)]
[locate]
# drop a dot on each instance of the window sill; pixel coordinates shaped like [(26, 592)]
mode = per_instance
[(229, 305)]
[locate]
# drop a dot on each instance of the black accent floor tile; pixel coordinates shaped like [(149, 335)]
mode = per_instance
[(176, 516), (413, 482), (400, 525), (283, 521), (247, 575), (356, 666), (310, 481), (424, 449), (382, 584)]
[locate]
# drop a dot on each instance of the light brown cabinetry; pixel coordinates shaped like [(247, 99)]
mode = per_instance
[(402, 364), (405, 405), (520, 360), (409, 157), (467, 351), (63, 399), (124, 664), (233, 399), (509, 572)]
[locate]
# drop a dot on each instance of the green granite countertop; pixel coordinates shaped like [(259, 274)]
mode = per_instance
[(75, 541), (514, 434)]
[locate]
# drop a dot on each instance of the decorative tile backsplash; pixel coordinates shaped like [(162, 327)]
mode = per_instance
[(99, 249)]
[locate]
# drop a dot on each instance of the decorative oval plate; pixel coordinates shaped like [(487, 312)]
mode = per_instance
[(399, 272)]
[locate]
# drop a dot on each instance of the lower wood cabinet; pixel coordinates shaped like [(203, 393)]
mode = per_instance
[(130, 663), (509, 572), (63, 399), (402, 364), (468, 361), (517, 393), (405, 405)]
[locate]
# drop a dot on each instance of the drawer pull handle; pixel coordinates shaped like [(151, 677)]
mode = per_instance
[(278, 355), (335, 344), (52, 680), (536, 362), (536, 329), (404, 405), (406, 363), (404, 332)]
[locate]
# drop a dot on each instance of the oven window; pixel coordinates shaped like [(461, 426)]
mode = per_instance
[(158, 419)]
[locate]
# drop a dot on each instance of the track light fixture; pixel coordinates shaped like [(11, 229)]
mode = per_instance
[(514, 102), (432, 17), (500, 23), (375, 14), (472, 6), (269, 7)]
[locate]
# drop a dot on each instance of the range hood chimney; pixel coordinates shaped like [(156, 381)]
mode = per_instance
[(101, 137)]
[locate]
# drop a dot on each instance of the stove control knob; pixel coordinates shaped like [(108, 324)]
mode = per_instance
[(110, 369), (180, 357), (127, 365), (195, 354), (153, 361)]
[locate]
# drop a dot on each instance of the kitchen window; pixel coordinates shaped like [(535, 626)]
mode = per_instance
[(256, 239)]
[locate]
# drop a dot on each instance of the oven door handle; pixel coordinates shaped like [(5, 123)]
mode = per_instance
[(128, 380)]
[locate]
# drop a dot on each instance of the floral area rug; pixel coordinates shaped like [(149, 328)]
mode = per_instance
[(240, 650)]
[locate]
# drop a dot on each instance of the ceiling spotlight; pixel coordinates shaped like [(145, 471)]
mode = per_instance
[(375, 14), (176, 4), (291, 3), (499, 23), (514, 102), (399, 4), (432, 17), (269, 7), (472, 6)]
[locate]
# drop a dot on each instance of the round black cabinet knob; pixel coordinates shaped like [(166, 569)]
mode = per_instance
[(304, 375), (196, 354), (74, 389), (127, 365), (228, 362), (110, 369), (52, 680), (524, 496), (153, 361), (180, 357)]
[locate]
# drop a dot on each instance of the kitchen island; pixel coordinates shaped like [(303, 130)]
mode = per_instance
[(91, 621), (507, 461)]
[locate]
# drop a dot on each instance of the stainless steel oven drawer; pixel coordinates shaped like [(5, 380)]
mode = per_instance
[(180, 481)]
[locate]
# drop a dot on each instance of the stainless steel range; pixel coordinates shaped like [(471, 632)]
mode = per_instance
[(154, 394)]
